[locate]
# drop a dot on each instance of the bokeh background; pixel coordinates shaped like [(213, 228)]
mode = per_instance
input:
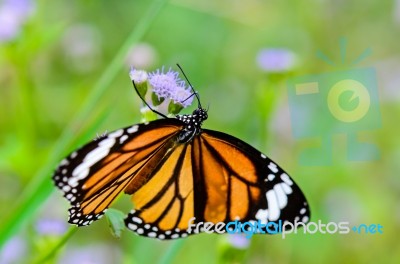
[(64, 79)]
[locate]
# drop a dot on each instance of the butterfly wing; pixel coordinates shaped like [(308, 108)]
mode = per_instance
[(254, 187), (93, 176), (214, 178)]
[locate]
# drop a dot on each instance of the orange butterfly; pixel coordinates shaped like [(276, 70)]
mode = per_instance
[(175, 170)]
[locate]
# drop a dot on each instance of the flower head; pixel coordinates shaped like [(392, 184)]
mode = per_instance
[(51, 227), (164, 84), (276, 60), (138, 76), (238, 241), (182, 96), (13, 14), (169, 86)]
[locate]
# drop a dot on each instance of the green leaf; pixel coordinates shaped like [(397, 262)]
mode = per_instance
[(116, 222), (156, 101), (174, 108)]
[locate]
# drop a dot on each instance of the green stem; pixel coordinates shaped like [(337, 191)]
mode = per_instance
[(168, 257), (53, 251), (40, 188)]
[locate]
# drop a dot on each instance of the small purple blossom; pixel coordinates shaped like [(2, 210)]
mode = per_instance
[(14, 250), (82, 45), (239, 241), (164, 83), (13, 14), (51, 227), (138, 76), (92, 254), (169, 86), (142, 56), (182, 96), (276, 59)]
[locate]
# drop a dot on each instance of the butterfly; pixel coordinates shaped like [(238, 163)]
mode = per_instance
[(177, 173)]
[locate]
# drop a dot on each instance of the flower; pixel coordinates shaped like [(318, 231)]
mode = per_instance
[(13, 14), (238, 241), (182, 96), (142, 56), (169, 86), (138, 76), (14, 250), (49, 226), (164, 83), (94, 253), (276, 60), (82, 44)]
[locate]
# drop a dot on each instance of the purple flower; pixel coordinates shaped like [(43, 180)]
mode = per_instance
[(82, 44), (51, 227), (14, 250), (169, 86), (92, 254), (13, 14), (138, 76), (239, 241), (182, 96), (142, 56), (276, 60), (164, 83)]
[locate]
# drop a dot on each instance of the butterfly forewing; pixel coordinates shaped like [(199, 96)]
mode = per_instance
[(94, 175)]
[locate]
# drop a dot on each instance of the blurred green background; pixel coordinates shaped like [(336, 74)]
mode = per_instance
[(64, 79)]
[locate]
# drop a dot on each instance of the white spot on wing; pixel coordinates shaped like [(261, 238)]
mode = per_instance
[(64, 162), (286, 179), (272, 166), (133, 129), (262, 215), (152, 234), (273, 206), (263, 156), (82, 170), (117, 133), (271, 177), (73, 182), (123, 138), (286, 188), (281, 196), (137, 220)]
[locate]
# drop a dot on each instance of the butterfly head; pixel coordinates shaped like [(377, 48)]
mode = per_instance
[(192, 123), (200, 114)]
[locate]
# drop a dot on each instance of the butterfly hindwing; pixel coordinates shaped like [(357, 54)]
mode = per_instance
[(272, 194)]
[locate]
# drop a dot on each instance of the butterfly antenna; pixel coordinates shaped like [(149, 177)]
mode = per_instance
[(191, 86), (144, 101)]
